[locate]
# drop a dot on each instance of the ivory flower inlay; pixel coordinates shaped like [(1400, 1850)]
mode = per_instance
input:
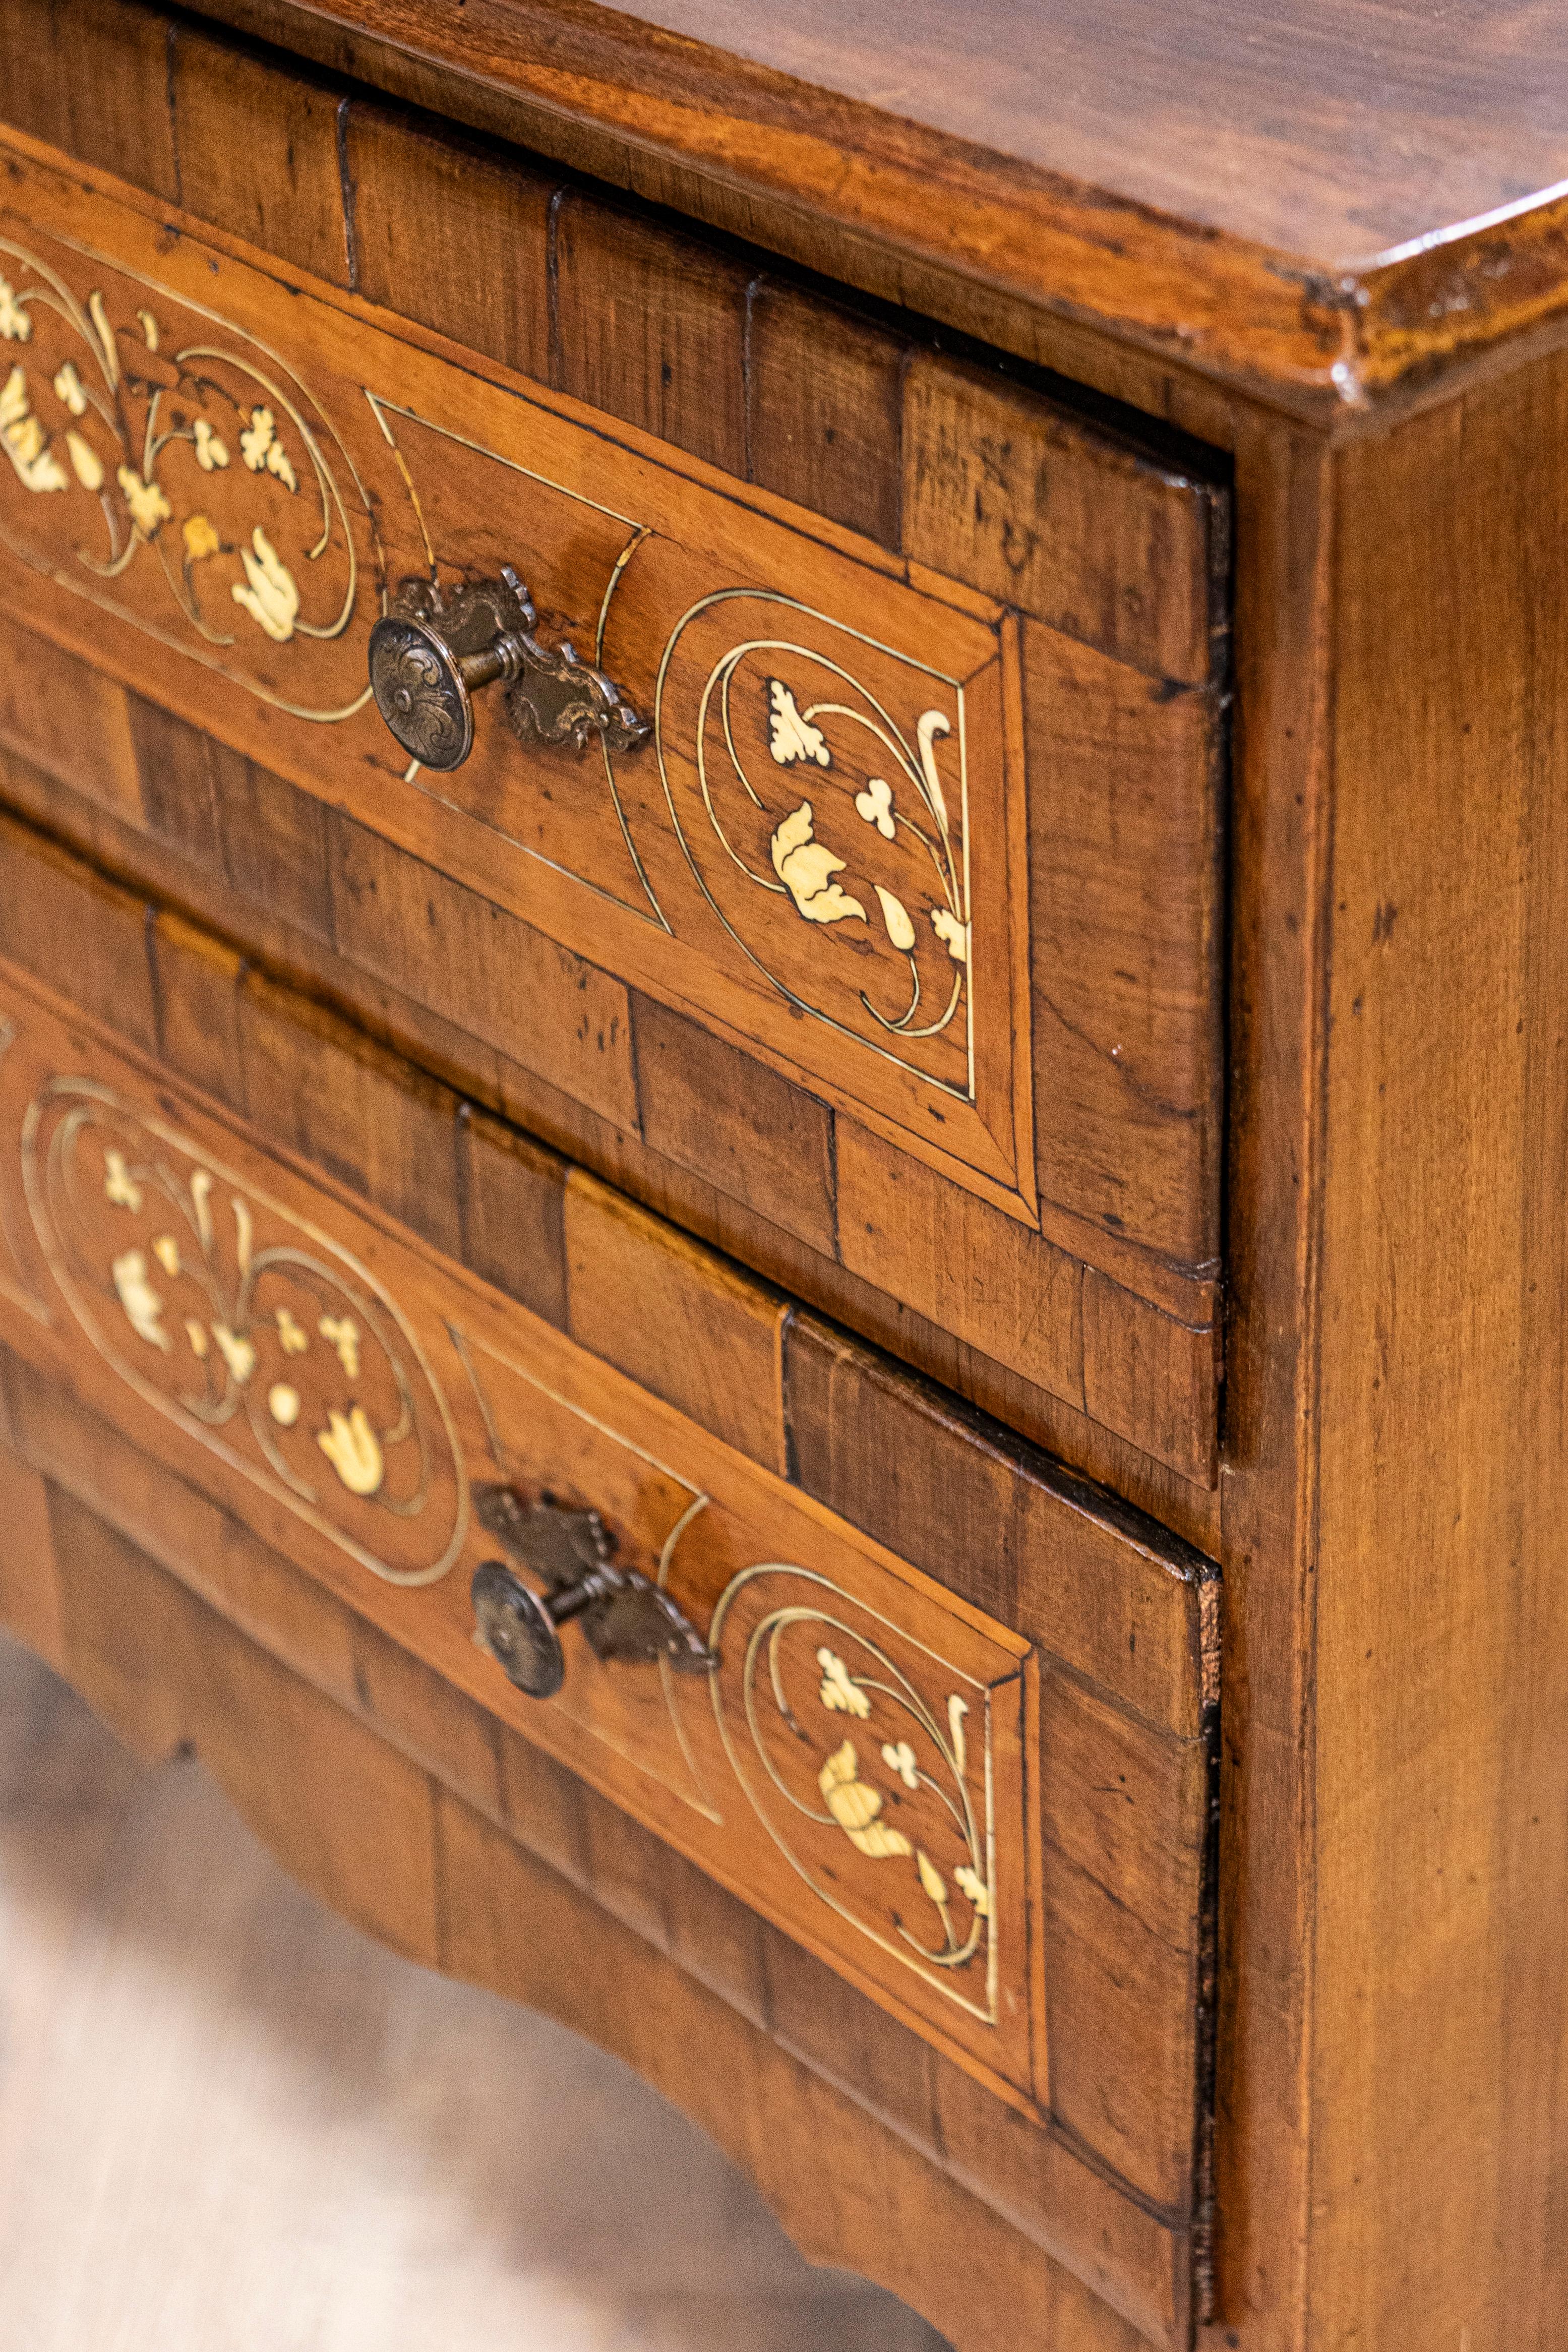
[(896, 916), (932, 1881), (25, 442), (15, 324), (839, 1694), (149, 508), (340, 1332), (806, 867), (119, 1188), (791, 737), (263, 452), (69, 390), (201, 540), (141, 1303), (269, 595), (85, 462), (856, 1808), (953, 934), (290, 1338), (876, 805), (971, 1884), (351, 1447), (236, 1352)]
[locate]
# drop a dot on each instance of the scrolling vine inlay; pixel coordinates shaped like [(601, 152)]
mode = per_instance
[(256, 1335), (816, 785), (176, 439), (869, 1762)]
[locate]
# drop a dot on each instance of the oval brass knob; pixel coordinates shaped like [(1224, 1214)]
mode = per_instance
[(431, 652), (624, 1615)]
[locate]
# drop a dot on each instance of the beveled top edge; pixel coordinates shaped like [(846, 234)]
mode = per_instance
[(583, 82)]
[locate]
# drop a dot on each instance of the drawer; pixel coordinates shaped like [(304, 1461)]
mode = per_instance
[(886, 898), (954, 1736)]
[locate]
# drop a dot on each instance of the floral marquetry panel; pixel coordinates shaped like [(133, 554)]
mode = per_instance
[(806, 779), (871, 1759), (853, 1762), (173, 471), (250, 1329)]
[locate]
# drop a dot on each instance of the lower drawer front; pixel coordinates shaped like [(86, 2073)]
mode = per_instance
[(989, 1822)]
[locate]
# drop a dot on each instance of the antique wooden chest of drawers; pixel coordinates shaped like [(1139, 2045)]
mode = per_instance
[(781, 1098)]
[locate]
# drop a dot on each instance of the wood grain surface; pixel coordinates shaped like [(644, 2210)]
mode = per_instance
[(1438, 2099), (1082, 1095), (1255, 139), (1281, 917), (489, 1083), (553, 1238), (1349, 197)]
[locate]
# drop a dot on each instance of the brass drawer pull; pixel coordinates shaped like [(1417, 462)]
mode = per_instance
[(624, 1615), (431, 652)]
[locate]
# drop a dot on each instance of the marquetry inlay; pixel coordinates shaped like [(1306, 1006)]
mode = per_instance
[(868, 1761), (255, 1333)]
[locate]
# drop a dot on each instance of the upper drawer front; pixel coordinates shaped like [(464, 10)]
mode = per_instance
[(937, 866)]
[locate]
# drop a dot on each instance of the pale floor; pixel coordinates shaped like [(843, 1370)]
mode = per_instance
[(229, 2123)]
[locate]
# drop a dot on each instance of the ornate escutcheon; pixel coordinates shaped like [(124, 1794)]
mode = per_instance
[(624, 1615), (431, 652)]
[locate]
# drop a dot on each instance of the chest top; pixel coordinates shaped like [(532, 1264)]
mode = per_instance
[(1327, 200)]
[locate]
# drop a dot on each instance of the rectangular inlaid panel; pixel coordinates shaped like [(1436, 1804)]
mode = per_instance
[(853, 1766), (921, 837)]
